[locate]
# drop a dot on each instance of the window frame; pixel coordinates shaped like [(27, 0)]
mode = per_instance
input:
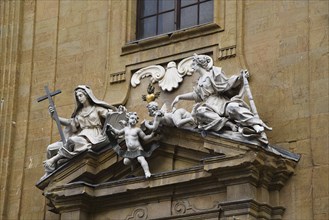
[(134, 45), (177, 17)]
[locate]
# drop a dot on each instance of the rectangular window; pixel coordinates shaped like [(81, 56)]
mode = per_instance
[(156, 17)]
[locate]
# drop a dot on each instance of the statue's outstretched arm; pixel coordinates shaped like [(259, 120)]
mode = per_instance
[(186, 96), (63, 121), (152, 126), (116, 131), (143, 136)]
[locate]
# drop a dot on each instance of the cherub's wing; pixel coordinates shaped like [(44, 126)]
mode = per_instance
[(164, 108), (155, 71)]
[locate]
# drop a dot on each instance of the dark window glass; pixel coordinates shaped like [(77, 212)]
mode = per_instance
[(188, 2), (162, 16), (166, 5), (206, 12), (149, 8), (189, 16), (148, 26), (166, 22)]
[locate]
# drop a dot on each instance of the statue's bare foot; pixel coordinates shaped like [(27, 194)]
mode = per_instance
[(49, 164), (263, 138), (258, 128), (147, 175)]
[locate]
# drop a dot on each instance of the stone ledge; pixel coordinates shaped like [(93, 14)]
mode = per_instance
[(252, 208), (243, 177), (170, 38)]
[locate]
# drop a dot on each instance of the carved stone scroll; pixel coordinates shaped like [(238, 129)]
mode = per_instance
[(138, 214), (168, 78), (156, 72)]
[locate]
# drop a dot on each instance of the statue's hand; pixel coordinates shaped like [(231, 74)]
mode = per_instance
[(244, 73), (51, 111), (147, 124), (159, 114), (109, 127), (122, 108)]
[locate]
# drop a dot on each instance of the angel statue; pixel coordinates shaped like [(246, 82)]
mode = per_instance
[(176, 118), (132, 134), (220, 101)]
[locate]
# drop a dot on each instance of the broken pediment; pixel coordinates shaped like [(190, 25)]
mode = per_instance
[(193, 176)]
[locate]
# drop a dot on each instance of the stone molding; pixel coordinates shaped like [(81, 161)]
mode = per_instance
[(248, 176), (170, 38), (227, 52), (117, 77), (252, 208)]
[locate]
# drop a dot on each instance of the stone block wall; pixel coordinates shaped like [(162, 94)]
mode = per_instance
[(284, 45)]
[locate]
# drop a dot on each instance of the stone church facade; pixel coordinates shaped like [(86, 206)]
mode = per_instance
[(102, 43)]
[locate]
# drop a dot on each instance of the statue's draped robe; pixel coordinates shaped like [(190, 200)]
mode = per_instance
[(84, 130), (87, 131), (213, 94)]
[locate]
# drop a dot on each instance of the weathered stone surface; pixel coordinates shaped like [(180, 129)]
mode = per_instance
[(284, 45), (243, 182)]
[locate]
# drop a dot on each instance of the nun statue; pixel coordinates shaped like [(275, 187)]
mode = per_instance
[(82, 131)]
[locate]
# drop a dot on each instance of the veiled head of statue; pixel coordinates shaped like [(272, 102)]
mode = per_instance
[(82, 91), (79, 93), (91, 98)]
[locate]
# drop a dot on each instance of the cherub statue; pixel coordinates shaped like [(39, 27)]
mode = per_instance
[(220, 101), (177, 118), (134, 148)]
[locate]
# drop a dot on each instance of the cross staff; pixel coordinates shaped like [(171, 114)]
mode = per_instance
[(51, 104)]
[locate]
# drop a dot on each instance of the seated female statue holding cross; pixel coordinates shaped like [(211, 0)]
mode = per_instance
[(82, 131)]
